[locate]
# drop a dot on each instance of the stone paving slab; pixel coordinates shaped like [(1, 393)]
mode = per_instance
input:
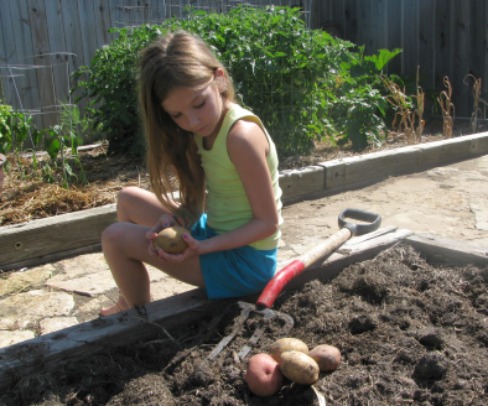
[(25, 309), (22, 281)]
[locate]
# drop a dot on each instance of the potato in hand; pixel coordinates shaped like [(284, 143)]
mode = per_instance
[(171, 240)]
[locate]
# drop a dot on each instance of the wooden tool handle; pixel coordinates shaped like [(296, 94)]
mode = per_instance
[(296, 267)]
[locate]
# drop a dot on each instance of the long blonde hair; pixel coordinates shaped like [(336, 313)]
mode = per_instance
[(176, 60)]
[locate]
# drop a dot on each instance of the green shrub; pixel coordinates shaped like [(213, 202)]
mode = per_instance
[(14, 128), (304, 84), (61, 142), (18, 136)]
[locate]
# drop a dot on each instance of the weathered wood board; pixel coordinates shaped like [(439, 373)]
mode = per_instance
[(48, 351), (53, 238)]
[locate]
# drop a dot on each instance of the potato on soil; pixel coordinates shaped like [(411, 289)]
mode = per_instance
[(171, 239), (263, 375), (286, 344), (327, 357), (299, 367)]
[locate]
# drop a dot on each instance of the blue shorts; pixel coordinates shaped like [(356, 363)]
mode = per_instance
[(233, 273)]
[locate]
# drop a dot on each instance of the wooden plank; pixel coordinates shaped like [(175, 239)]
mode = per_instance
[(337, 17), (394, 34), (425, 59), (378, 16), (133, 13), (48, 351), (483, 38), (27, 85), (59, 237), (72, 30), (159, 11), (351, 29), (103, 12), (302, 182), (58, 58), (364, 25), (40, 40), (7, 17), (461, 50), (440, 251), (410, 42), (88, 29), (454, 150), (19, 80), (7, 55), (443, 35), (354, 172), (479, 41)]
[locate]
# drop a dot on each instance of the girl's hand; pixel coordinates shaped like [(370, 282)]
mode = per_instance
[(165, 221), (190, 251)]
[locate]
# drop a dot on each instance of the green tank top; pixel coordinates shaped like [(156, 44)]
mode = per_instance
[(227, 204)]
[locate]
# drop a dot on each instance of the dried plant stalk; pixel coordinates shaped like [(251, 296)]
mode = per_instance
[(420, 99), (407, 119), (445, 101), (476, 97)]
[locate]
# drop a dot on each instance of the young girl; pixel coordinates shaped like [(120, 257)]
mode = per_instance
[(224, 164)]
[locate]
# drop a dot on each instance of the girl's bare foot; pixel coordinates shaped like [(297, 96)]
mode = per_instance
[(118, 307)]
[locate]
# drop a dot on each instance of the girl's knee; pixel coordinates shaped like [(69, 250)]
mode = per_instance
[(126, 200), (112, 234), (126, 196)]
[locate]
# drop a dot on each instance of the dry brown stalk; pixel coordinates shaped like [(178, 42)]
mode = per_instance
[(420, 98), (445, 101), (407, 119), (476, 97)]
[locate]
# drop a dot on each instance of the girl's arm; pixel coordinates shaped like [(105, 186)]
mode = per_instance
[(248, 147)]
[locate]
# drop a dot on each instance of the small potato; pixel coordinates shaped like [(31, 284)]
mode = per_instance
[(299, 367), (286, 344), (327, 356), (171, 239), (263, 375)]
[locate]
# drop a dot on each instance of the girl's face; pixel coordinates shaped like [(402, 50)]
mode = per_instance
[(197, 111)]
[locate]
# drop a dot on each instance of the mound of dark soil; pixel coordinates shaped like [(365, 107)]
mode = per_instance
[(409, 333)]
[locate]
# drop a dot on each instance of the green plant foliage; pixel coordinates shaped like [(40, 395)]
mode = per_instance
[(109, 82), (14, 128), (61, 143), (304, 84), (18, 136)]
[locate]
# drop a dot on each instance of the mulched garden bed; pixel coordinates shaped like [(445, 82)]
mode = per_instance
[(26, 196)]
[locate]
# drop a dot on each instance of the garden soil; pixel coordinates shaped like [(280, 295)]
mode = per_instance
[(409, 333)]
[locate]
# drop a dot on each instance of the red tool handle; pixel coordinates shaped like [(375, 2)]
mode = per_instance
[(369, 222), (276, 285)]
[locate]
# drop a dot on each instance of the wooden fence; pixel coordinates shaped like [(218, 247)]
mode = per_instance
[(445, 38), (43, 41)]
